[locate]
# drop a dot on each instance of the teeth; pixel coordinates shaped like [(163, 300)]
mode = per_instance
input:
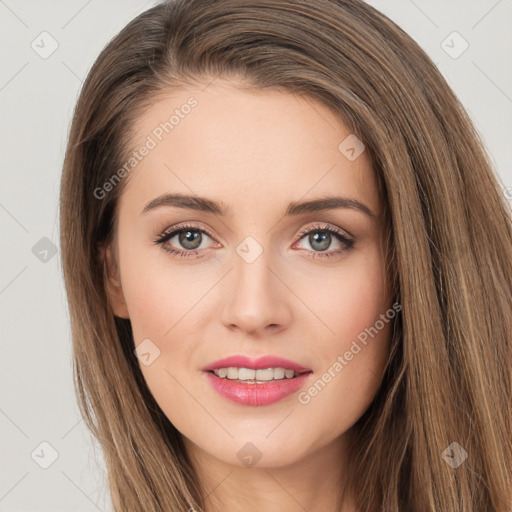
[(232, 373), (246, 374), (279, 373), (267, 374)]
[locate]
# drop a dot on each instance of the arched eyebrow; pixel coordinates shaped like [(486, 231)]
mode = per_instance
[(206, 205)]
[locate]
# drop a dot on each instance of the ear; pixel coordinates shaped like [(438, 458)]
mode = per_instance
[(113, 280)]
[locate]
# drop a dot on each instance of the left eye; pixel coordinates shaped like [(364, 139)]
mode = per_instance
[(321, 240), (190, 238)]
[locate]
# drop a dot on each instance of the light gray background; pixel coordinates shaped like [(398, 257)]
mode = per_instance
[(37, 96)]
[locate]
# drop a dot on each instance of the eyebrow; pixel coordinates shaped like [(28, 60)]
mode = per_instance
[(295, 208)]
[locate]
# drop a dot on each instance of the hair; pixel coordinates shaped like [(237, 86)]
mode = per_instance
[(448, 377)]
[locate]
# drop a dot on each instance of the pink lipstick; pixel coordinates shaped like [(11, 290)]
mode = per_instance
[(256, 382)]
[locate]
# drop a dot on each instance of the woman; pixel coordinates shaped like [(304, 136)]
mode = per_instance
[(288, 267)]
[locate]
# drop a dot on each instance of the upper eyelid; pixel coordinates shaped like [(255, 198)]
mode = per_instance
[(180, 227), (304, 231), (324, 226)]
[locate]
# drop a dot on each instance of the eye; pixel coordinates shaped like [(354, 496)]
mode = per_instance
[(190, 238), (320, 238)]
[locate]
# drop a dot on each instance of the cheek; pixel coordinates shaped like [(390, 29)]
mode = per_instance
[(353, 299), (351, 361), (158, 293), (161, 298)]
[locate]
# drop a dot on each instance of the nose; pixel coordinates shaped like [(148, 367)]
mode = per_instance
[(257, 301)]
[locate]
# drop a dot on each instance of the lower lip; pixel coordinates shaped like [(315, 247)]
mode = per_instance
[(256, 394)]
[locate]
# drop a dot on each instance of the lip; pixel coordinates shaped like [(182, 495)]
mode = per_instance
[(256, 394), (261, 363)]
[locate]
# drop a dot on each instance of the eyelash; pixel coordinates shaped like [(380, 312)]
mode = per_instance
[(167, 235)]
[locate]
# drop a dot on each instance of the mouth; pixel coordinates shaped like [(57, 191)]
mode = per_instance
[(257, 382)]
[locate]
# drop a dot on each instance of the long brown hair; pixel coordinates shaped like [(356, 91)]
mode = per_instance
[(450, 232)]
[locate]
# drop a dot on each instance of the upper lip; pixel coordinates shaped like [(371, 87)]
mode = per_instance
[(255, 364)]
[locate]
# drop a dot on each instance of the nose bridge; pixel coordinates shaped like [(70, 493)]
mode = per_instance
[(256, 299)]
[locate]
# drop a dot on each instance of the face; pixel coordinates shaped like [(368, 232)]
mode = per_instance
[(240, 269)]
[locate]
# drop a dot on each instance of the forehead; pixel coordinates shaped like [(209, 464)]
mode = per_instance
[(246, 147)]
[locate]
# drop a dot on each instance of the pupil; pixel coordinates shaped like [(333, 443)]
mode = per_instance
[(323, 238), (188, 238)]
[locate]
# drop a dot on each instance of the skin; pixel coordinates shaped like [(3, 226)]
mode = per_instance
[(255, 152)]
